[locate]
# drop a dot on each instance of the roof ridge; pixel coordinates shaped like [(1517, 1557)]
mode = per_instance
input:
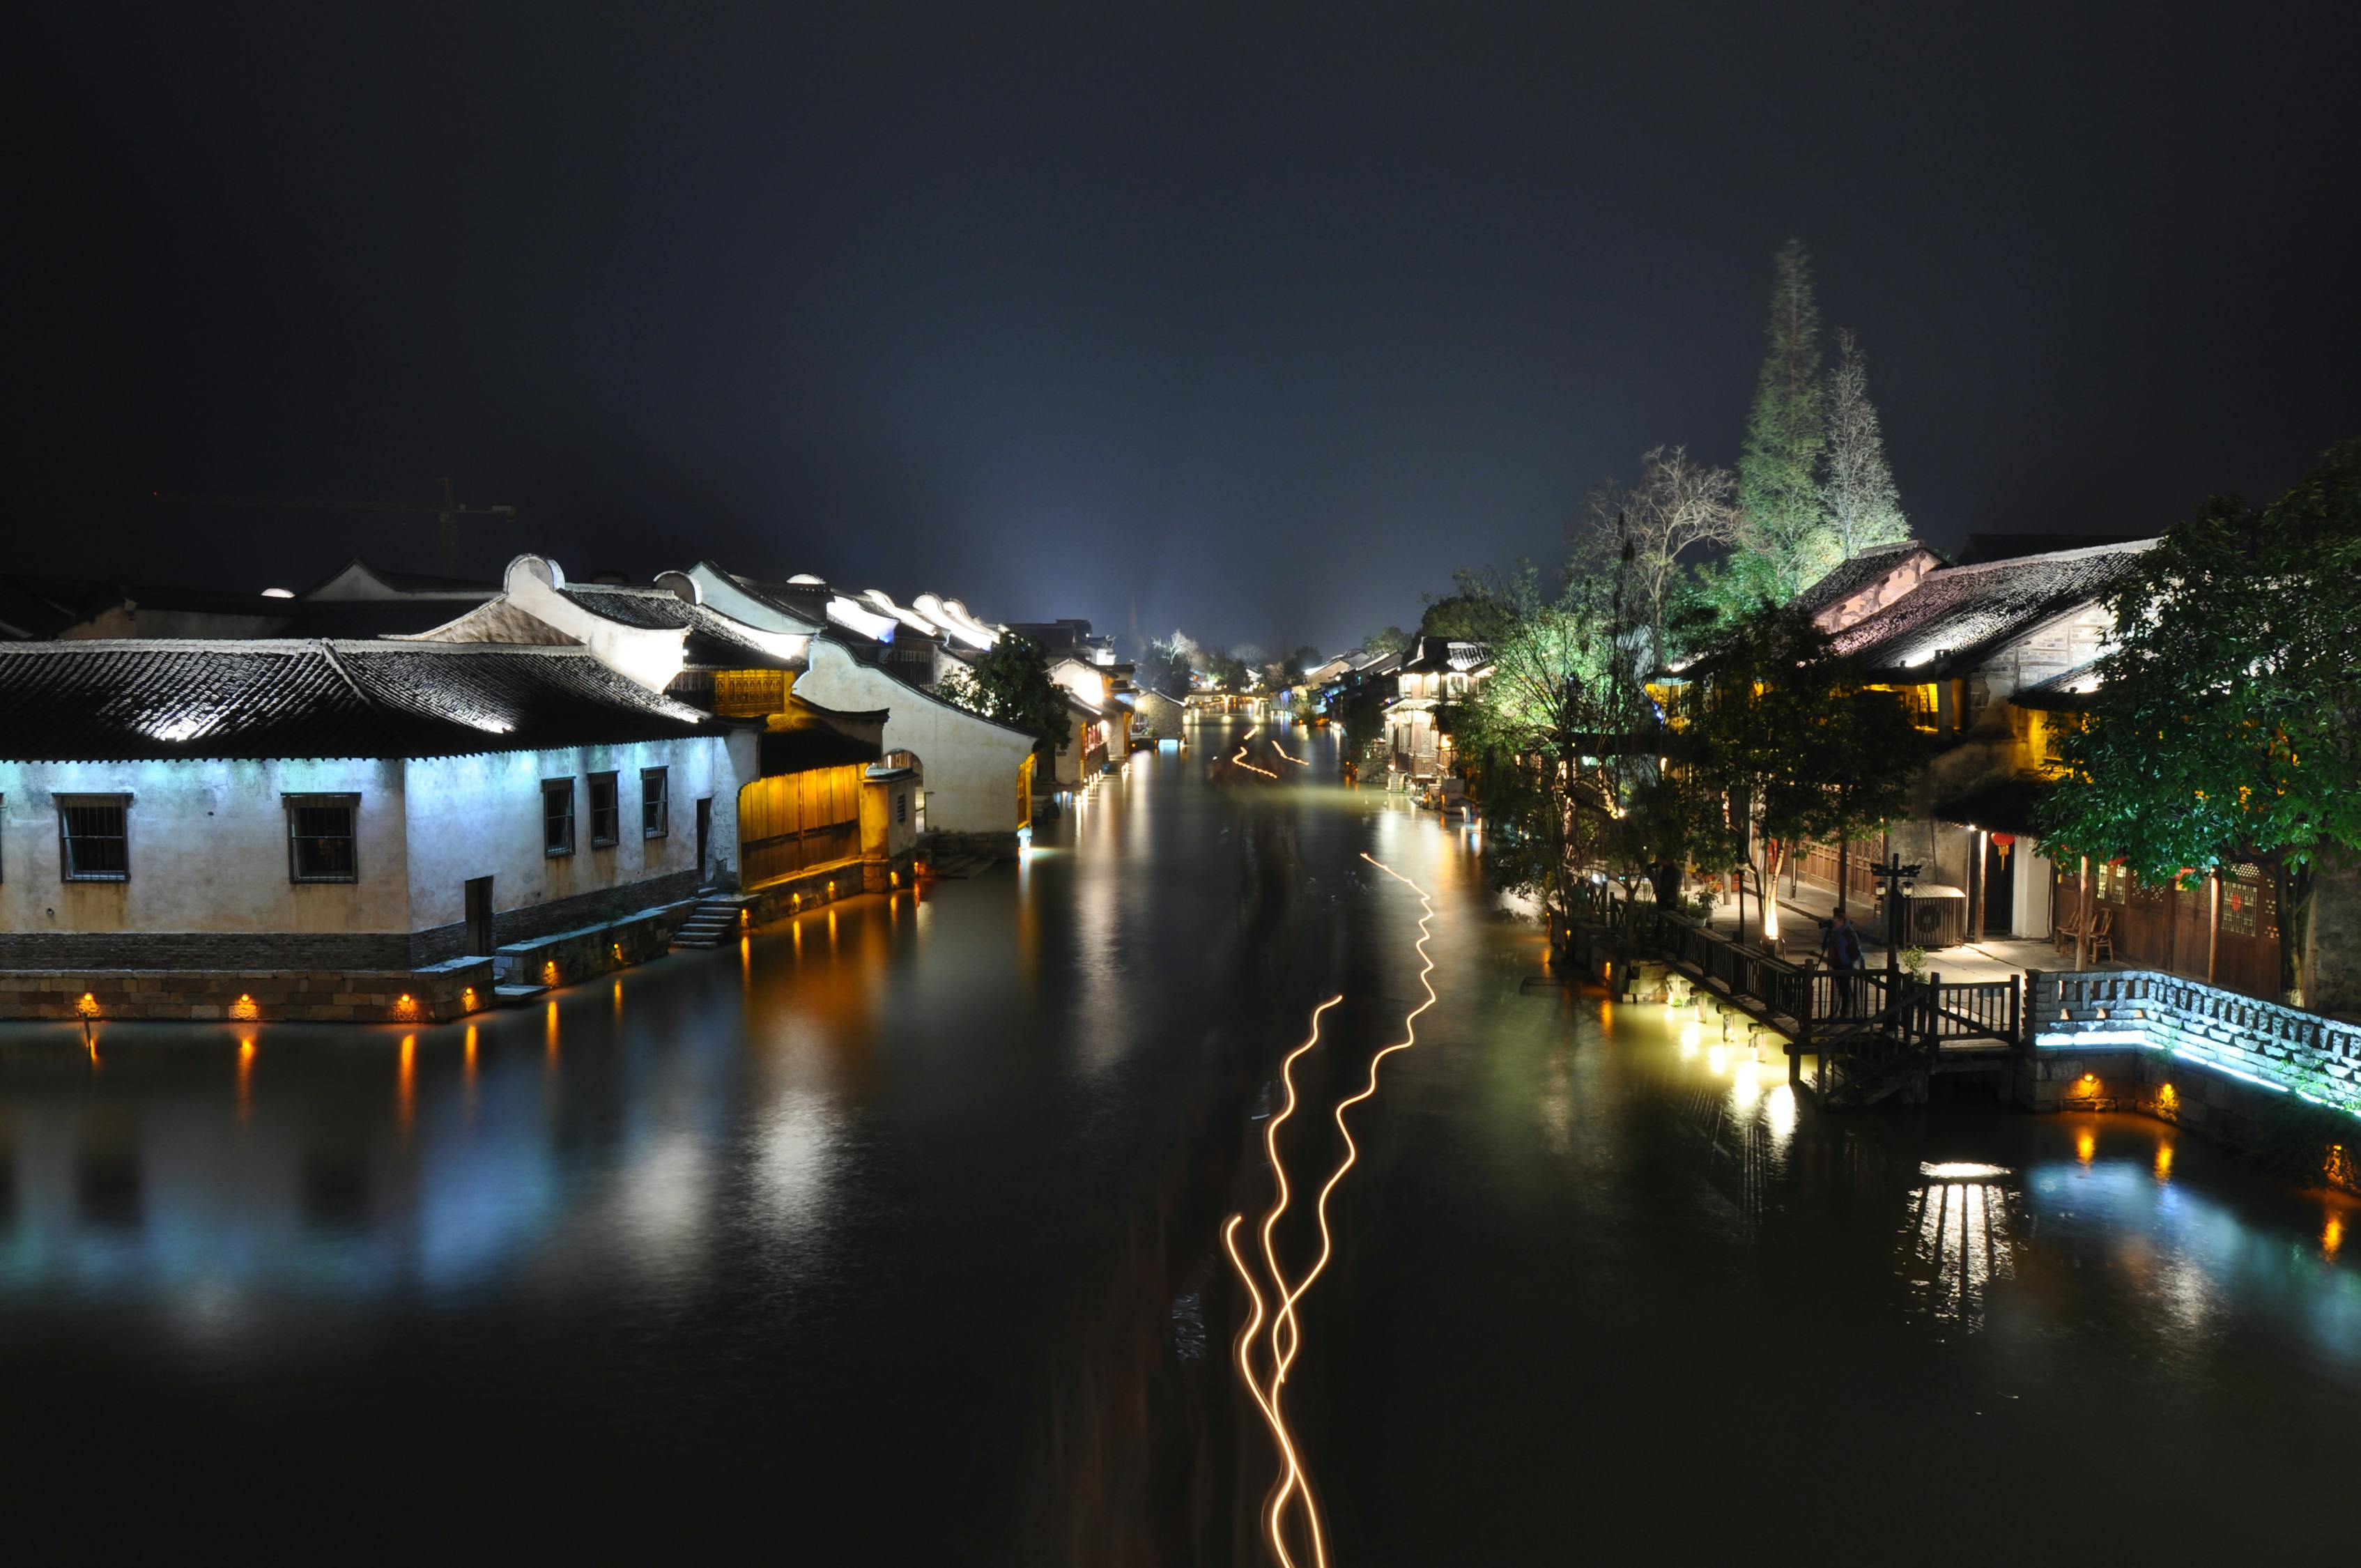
[(2080, 553), (346, 675)]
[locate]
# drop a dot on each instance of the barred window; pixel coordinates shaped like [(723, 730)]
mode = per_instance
[(655, 802), (901, 809), (2115, 882), (605, 814), (93, 843), (556, 817), (320, 837)]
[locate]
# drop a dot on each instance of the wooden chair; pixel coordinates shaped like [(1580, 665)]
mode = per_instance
[(2103, 938), (2066, 933)]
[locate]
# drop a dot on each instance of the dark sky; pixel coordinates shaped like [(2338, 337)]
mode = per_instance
[(1263, 322)]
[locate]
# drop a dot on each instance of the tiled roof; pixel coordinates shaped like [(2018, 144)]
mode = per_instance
[(1955, 617), (650, 608), (1849, 578), (715, 639), (109, 700)]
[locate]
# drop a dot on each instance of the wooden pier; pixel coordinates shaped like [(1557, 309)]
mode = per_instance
[(1871, 1033)]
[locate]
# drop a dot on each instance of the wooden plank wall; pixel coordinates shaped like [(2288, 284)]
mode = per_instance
[(2165, 928)]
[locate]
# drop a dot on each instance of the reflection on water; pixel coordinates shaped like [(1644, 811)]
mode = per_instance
[(898, 1223), (1959, 1239)]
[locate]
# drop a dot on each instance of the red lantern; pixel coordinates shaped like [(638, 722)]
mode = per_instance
[(2003, 839)]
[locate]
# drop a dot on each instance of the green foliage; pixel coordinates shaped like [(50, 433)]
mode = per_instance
[(1471, 615), (1785, 544), (1782, 738), (1163, 667), (2227, 721), (1385, 640), (1548, 733), (1863, 508), (1010, 684)]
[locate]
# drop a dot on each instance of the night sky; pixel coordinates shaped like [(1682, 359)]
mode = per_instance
[(1263, 322)]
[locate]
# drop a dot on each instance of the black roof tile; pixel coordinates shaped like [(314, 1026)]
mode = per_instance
[(124, 700)]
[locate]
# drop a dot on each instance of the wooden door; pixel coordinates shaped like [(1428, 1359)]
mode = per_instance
[(480, 930)]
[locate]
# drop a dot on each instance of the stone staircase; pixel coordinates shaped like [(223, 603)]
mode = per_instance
[(712, 923)]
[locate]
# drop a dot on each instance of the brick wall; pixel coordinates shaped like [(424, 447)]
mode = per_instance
[(319, 996), (206, 950), (2186, 1053), (533, 921)]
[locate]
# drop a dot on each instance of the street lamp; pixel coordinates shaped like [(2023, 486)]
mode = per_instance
[(1900, 881)]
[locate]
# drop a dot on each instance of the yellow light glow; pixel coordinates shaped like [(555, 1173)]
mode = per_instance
[(406, 1084), (2086, 1147), (87, 1006), (243, 1008), (2332, 1235), (406, 1008), (2169, 1097), (2164, 1162)]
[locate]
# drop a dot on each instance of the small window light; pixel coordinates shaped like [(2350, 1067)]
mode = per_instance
[(279, 592)]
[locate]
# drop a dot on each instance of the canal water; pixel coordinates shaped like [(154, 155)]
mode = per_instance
[(894, 1236)]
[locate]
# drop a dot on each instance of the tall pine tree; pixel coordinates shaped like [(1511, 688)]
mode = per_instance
[(1785, 544), (1863, 508)]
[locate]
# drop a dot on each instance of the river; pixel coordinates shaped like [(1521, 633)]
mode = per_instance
[(894, 1235)]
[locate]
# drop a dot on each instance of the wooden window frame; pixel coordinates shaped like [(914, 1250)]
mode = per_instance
[(296, 803), (66, 835), (607, 833), (551, 848), (659, 803)]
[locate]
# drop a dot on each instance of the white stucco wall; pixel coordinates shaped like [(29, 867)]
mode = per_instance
[(208, 847), (971, 764), (480, 815)]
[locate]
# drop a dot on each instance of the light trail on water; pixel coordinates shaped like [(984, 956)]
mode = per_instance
[(1284, 1332), (1240, 760)]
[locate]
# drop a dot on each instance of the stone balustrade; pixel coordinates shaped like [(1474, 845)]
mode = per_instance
[(2274, 1049)]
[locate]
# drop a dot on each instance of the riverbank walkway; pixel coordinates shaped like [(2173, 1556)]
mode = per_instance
[(1802, 910)]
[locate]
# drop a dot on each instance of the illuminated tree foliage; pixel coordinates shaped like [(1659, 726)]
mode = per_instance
[(1552, 732), (1785, 543), (1790, 747), (1010, 684), (1863, 509), (2227, 720)]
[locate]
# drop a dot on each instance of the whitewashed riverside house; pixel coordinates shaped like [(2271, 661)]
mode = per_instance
[(796, 655), (872, 656), (334, 829)]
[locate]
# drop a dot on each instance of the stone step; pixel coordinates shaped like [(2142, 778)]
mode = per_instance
[(515, 995)]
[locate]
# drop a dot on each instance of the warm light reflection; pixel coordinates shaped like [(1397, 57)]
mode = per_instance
[(244, 1080), (2332, 1235), (243, 1008), (405, 1090), (1779, 1116), (468, 1066), (2086, 1145), (549, 1029), (2164, 1162)]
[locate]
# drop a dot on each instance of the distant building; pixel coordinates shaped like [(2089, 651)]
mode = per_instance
[(1437, 675)]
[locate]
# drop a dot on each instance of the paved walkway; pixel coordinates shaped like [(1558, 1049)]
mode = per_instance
[(1994, 959)]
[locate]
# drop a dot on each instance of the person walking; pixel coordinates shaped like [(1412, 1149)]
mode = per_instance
[(1843, 948)]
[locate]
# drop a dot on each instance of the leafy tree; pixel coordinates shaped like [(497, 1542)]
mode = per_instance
[(1863, 509), (1163, 666), (1010, 684), (1469, 615), (1549, 732), (1385, 640), (1782, 731), (1785, 544), (2227, 720)]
